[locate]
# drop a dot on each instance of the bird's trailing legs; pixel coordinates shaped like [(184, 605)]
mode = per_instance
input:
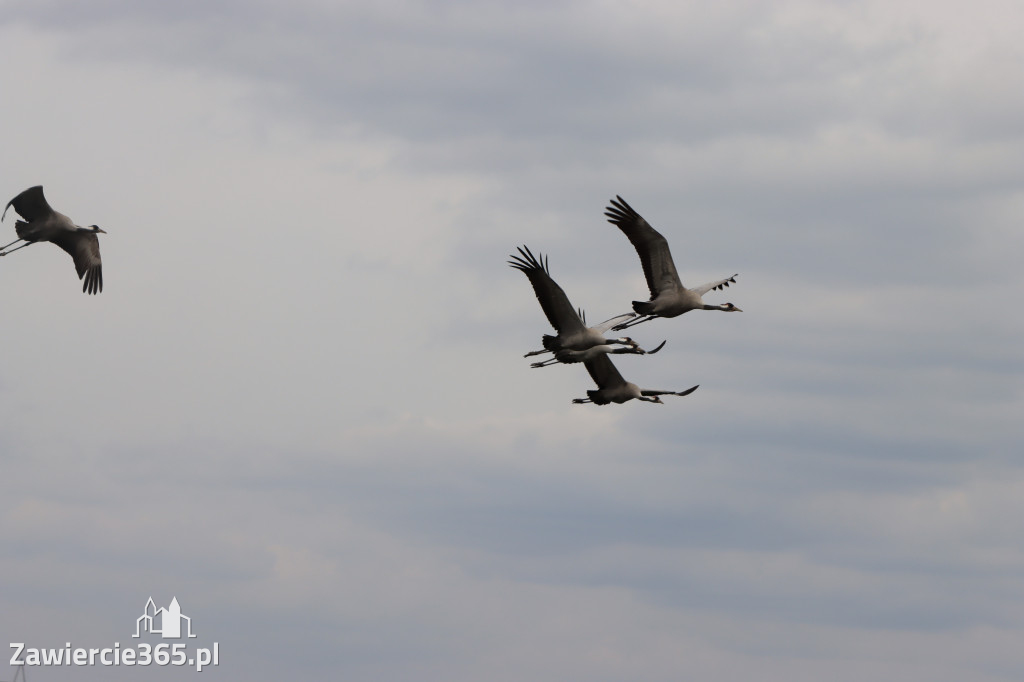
[(4, 253), (11, 244), (633, 323)]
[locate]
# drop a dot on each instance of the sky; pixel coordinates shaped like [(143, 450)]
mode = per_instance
[(300, 404)]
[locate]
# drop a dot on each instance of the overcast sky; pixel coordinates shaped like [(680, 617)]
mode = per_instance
[(300, 404)]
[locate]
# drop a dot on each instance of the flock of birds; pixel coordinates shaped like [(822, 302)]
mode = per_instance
[(576, 342)]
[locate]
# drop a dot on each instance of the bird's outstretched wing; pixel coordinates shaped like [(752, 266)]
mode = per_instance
[(660, 346), (686, 392), (603, 372), (30, 204), (84, 248), (553, 300), (652, 248), (720, 284), (617, 320)]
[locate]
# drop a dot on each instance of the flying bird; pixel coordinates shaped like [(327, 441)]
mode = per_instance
[(42, 224), (569, 356), (612, 388), (669, 298), (573, 333)]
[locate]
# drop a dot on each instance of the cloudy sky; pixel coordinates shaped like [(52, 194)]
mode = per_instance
[(300, 405)]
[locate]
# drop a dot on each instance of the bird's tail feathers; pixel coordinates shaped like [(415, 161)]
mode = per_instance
[(643, 307), (550, 342), (19, 226)]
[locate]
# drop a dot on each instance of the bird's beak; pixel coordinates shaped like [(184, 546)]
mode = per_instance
[(737, 310), (100, 229)]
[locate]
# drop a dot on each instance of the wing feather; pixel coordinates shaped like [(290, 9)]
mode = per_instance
[(603, 372), (719, 284), (688, 391), (552, 298), (84, 248), (650, 245), (30, 204), (617, 320)]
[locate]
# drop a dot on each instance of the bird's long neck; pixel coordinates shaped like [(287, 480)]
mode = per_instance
[(714, 307)]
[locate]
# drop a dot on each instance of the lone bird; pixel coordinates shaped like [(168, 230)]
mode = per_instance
[(612, 388), (42, 224), (669, 298), (573, 332)]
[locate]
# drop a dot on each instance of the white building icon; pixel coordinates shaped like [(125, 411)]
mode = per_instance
[(165, 622)]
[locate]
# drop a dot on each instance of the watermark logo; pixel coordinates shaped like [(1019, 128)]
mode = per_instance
[(169, 623), (170, 620)]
